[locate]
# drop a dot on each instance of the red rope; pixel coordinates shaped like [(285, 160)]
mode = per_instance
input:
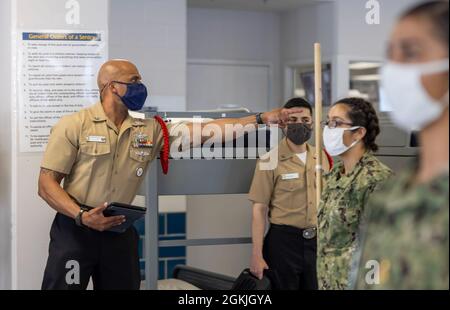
[(164, 156), (330, 159)]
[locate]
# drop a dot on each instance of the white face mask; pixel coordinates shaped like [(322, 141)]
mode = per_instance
[(334, 140), (412, 106)]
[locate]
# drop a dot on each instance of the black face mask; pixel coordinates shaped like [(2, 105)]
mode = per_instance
[(298, 133)]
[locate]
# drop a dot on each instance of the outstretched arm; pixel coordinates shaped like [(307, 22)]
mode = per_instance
[(277, 117)]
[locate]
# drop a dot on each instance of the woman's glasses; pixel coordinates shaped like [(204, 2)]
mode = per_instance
[(335, 124)]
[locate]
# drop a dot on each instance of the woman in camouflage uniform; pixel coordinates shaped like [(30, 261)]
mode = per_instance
[(350, 133), (407, 237)]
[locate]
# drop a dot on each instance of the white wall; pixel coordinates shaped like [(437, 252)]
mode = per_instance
[(153, 35), (300, 29), (303, 27), (5, 146), (341, 28), (236, 36), (357, 40), (224, 37)]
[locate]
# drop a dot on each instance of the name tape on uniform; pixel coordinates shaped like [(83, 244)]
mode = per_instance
[(290, 176)]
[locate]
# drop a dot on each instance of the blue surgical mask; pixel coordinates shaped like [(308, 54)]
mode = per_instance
[(135, 97)]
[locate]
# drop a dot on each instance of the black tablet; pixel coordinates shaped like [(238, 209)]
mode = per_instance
[(131, 213)]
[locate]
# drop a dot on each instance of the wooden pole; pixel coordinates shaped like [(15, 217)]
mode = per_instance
[(318, 118)]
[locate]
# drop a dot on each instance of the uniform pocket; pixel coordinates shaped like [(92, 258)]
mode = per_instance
[(290, 185), (94, 159), (287, 194)]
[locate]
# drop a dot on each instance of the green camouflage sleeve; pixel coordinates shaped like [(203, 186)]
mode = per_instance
[(406, 238)]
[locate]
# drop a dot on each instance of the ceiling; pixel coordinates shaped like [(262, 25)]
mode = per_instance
[(254, 5)]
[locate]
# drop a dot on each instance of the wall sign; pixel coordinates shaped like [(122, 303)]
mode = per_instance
[(57, 75)]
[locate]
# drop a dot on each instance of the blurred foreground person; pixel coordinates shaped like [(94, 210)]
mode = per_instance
[(406, 238)]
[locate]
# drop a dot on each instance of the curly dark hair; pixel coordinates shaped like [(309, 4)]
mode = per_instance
[(362, 113)]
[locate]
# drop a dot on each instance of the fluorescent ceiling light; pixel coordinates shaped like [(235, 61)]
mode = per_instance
[(366, 78), (364, 65)]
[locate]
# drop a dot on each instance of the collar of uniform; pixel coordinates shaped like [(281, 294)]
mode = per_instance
[(285, 153), (311, 155), (127, 123), (98, 114), (136, 122)]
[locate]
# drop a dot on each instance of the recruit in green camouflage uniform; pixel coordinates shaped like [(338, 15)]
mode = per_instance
[(340, 209), (406, 235)]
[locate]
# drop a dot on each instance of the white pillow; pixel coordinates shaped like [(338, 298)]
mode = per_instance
[(175, 285)]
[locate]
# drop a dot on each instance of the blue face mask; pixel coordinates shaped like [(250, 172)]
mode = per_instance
[(135, 97)]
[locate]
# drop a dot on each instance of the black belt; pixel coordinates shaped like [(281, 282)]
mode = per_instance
[(306, 233)]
